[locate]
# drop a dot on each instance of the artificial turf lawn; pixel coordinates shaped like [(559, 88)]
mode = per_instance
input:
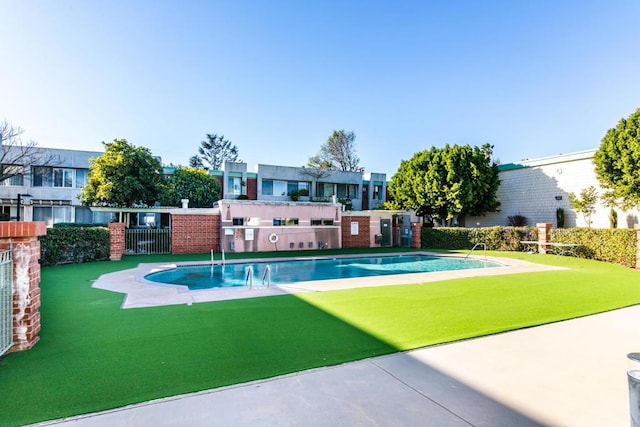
[(92, 355)]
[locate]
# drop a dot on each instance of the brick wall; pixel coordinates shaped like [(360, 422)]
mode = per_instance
[(363, 238), (195, 233), (116, 240), (22, 237), (416, 235), (252, 188)]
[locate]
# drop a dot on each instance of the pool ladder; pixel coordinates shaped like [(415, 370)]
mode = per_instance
[(484, 246), (266, 276)]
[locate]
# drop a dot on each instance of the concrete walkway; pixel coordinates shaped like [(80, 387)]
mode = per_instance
[(570, 373)]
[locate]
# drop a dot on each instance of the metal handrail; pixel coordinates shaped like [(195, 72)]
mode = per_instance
[(249, 277), (267, 275), (484, 245)]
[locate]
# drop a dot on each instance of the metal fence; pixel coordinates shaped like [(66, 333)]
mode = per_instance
[(6, 302), (147, 241)]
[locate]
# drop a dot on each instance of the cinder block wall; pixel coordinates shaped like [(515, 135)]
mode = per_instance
[(193, 233)]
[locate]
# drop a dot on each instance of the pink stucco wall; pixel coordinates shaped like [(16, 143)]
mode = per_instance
[(258, 233)]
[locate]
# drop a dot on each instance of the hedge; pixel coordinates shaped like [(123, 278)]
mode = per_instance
[(618, 246), (496, 238), (73, 244)]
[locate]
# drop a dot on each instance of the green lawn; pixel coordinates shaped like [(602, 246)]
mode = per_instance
[(92, 355)]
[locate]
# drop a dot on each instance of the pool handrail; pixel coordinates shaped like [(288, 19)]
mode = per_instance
[(249, 277), (484, 246), (267, 275)]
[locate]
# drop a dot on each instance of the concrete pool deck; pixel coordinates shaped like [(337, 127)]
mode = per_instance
[(570, 373), (140, 292)]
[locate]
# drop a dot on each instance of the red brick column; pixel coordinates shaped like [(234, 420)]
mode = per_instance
[(544, 236), (22, 238), (116, 240), (416, 235)]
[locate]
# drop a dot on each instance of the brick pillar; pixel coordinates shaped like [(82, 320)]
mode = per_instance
[(544, 236), (416, 235), (22, 238), (116, 240), (637, 228)]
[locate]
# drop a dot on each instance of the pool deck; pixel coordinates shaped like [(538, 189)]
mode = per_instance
[(140, 292)]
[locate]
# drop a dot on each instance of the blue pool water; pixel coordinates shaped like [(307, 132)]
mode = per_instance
[(287, 272)]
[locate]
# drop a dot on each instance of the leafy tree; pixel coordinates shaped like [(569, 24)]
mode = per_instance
[(338, 153), (585, 203), (618, 163), (447, 183), (17, 155), (214, 151), (125, 176), (194, 184)]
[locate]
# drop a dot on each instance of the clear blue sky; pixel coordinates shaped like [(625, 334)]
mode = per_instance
[(532, 77)]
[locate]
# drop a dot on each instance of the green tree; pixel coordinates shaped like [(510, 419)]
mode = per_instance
[(447, 183), (585, 203), (338, 153), (202, 189), (618, 163), (214, 151), (124, 176)]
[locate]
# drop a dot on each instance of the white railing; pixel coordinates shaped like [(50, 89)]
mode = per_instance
[(248, 280), (484, 246)]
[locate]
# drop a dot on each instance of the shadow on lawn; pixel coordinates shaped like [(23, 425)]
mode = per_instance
[(94, 356)]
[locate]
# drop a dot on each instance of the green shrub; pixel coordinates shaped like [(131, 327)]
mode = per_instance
[(617, 246), (496, 238), (67, 244)]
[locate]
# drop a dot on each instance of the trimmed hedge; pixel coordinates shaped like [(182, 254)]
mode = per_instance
[(618, 246), (72, 244), (496, 238)]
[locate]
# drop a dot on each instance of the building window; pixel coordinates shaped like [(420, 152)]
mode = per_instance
[(285, 221), (271, 187), (16, 171), (81, 177), (83, 215), (62, 177), (377, 192), (235, 185), (42, 176), (238, 221), (325, 189), (302, 187), (347, 191), (52, 215), (321, 221)]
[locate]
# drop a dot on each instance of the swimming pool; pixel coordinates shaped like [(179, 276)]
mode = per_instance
[(287, 272)]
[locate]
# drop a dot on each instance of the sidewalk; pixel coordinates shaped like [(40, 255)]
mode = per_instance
[(570, 373)]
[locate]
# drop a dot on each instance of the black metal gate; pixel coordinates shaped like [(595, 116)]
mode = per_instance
[(147, 241)]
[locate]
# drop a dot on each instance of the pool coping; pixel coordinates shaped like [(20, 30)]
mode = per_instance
[(140, 292)]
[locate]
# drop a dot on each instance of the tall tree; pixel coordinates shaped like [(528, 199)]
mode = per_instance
[(338, 153), (585, 203), (618, 163), (124, 176), (194, 184), (447, 183), (17, 154), (213, 152)]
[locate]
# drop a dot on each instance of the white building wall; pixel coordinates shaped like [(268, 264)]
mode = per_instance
[(536, 188)]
